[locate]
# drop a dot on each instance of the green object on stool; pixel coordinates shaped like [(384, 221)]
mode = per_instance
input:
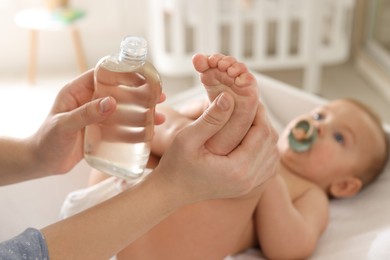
[(68, 15)]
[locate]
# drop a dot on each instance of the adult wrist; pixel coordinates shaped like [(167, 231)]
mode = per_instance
[(34, 163), (173, 190)]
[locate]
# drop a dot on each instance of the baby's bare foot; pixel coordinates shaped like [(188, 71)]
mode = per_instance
[(220, 73)]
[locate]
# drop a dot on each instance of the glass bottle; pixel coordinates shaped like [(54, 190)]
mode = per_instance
[(120, 145)]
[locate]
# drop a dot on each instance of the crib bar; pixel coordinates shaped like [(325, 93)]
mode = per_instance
[(301, 34), (207, 27), (177, 40), (237, 27), (312, 72), (283, 39), (305, 30), (336, 36), (258, 44), (156, 26)]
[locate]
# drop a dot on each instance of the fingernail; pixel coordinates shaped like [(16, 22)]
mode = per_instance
[(105, 105), (223, 102)]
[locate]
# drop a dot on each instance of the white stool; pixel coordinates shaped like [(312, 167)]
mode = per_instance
[(40, 19)]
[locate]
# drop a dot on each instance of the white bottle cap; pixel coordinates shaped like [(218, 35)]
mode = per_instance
[(133, 48)]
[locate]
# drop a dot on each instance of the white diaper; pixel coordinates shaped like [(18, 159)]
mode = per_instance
[(83, 199)]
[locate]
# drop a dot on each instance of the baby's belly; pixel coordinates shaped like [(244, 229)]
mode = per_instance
[(207, 230)]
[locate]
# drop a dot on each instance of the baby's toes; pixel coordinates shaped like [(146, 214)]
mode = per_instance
[(237, 69), (214, 59), (246, 80), (200, 63), (226, 62)]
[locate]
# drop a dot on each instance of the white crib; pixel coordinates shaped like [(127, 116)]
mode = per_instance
[(265, 34)]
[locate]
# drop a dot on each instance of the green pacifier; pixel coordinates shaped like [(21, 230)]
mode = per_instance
[(302, 136)]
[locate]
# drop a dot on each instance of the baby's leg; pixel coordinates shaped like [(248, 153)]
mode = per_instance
[(165, 133), (220, 73), (96, 176)]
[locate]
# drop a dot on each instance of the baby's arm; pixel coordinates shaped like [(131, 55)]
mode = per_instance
[(290, 229)]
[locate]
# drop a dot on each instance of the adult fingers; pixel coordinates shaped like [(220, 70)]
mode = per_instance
[(89, 113), (258, 150), (211, 121)]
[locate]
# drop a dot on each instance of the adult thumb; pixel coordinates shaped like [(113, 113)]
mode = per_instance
[(212, 120), (92, 112)]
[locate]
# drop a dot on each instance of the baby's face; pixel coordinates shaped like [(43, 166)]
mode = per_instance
[(347, 139)]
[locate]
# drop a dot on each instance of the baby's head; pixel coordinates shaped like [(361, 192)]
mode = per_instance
[(350, 151)]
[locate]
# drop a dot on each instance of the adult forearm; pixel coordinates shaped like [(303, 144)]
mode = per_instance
[(105, 229), (16, 160)]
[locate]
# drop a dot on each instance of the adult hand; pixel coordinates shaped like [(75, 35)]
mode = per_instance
[(197, 174), (58, 144)]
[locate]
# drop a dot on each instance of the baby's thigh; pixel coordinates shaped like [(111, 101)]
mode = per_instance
[(153, 161), (96, 176)]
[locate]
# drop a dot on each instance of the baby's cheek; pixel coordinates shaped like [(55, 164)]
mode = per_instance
[(324, 154)]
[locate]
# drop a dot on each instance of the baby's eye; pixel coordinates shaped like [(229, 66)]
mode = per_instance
[(339, 138), (318, 116)]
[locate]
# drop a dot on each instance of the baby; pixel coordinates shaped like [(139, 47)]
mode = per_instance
[(286, 216)]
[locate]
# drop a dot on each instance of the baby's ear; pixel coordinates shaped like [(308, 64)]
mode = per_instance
[(345, 187)]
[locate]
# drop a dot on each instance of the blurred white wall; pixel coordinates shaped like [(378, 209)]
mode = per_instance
[(105, 24)]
